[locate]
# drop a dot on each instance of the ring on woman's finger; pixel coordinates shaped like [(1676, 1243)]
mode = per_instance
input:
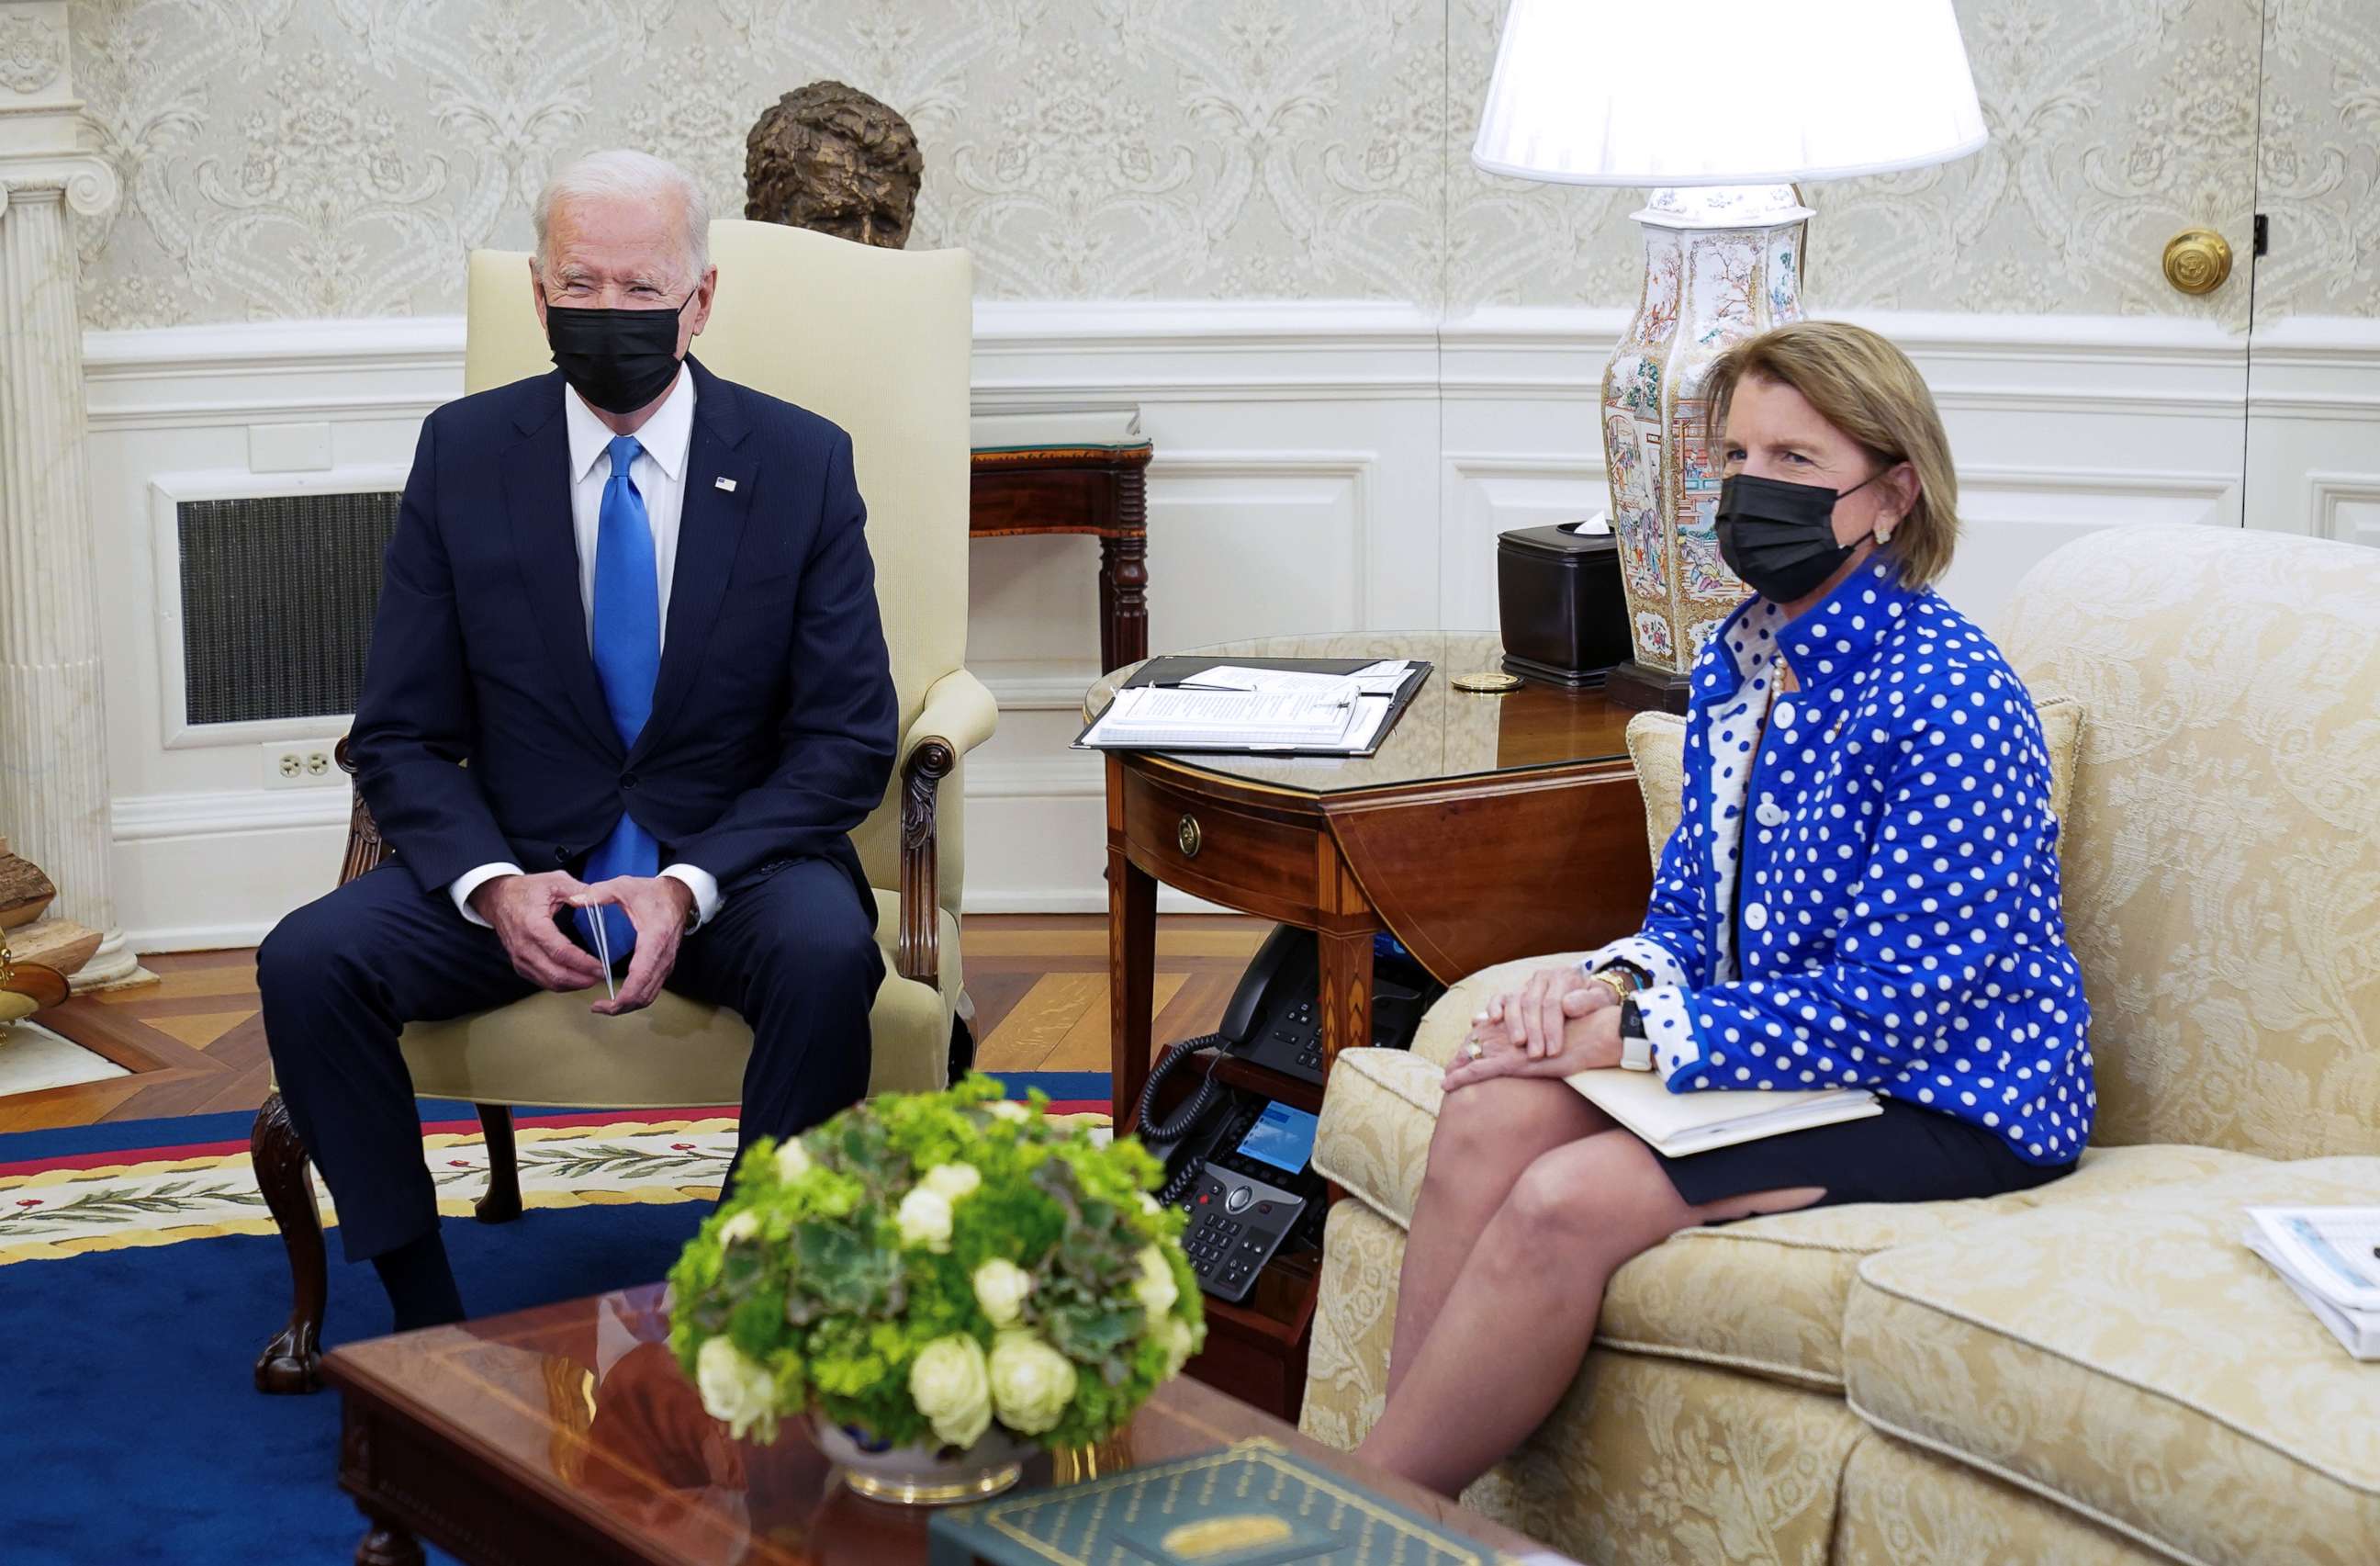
[(1475, 1049)]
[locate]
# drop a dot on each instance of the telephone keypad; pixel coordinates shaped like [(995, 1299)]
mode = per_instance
[(1236, 1224)]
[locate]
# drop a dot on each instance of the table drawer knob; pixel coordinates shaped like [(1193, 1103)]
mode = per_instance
[(1188, 838)]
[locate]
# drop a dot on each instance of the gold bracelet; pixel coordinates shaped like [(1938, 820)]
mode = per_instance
[(1621, 988)]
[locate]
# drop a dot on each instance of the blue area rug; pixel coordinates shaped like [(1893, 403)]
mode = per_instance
[(130, 1431)]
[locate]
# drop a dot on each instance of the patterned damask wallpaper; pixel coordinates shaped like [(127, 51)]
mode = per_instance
[(291, 158)]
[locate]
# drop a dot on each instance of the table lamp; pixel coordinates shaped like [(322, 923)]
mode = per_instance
[(1720, 105)]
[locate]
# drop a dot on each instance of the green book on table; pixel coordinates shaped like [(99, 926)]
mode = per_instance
[(1254, 1503)]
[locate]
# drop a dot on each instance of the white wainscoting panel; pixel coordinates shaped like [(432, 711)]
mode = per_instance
[(1319, 466), (2314, 428), (2345, 506)]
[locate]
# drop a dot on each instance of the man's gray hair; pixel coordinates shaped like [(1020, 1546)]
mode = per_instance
[(623, 171)]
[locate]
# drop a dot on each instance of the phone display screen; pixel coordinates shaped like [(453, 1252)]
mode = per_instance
[(1282, 1137)]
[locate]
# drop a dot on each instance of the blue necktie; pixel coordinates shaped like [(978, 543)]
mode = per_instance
[(627, 660)]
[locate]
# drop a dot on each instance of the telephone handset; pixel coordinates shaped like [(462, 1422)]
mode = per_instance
[(1275, 1017), (1236, 1161)]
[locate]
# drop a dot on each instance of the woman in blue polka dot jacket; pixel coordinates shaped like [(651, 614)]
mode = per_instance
[(1862, 892)]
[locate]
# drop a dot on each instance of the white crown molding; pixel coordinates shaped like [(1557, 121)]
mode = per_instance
[(2317, 339), (2176, 485), (243, 348), (1055, 354), (1128, 327)]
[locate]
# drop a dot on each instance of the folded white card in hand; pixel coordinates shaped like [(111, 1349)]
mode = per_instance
[(1682, 1123)]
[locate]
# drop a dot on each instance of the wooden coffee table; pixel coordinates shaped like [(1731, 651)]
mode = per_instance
[(568, 1433)]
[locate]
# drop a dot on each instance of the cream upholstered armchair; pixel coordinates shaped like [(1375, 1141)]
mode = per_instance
[(2094, 1371), (878, 341)]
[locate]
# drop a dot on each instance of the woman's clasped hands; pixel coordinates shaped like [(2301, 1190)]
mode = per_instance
[(1558, 1022)]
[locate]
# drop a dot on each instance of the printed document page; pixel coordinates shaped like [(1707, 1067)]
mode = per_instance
[(1148, 718)]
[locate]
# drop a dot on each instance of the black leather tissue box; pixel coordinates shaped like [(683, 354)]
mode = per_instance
[(1559, 604)]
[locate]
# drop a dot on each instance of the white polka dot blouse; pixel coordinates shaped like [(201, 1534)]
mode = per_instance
[(1864, 889)]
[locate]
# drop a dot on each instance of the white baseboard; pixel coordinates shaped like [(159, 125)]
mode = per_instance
[(197, 937)]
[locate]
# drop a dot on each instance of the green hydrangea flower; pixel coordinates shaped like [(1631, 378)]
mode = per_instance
[(911, 1221)]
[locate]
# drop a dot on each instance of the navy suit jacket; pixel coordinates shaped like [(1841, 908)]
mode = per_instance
[(773, 722)]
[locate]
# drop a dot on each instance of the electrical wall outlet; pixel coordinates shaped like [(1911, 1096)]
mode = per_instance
[(300, 765)]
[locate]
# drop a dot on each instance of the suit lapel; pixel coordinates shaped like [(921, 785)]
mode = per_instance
[(710, 534), (537, 499)]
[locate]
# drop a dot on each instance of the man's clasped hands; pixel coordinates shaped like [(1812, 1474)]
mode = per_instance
[(525, 908)]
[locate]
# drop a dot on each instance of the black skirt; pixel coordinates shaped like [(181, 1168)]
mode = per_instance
[(1906, 1154)]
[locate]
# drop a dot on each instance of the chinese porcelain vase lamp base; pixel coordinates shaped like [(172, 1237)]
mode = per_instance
[(1721, 263), (1583, 94)]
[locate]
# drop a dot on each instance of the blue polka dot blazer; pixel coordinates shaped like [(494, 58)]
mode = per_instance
[(1864, 889)]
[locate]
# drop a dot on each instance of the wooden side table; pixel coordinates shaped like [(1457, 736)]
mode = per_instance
[(1486, 828), (1074, 473)]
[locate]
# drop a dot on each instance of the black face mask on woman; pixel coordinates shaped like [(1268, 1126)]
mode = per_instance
[(1780, 537), (617, 359)]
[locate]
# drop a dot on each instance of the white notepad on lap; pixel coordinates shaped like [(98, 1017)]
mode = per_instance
[(1677, 1124)]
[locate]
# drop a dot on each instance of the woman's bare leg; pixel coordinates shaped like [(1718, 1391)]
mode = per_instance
[(1488, 1133), (1510, 1335)]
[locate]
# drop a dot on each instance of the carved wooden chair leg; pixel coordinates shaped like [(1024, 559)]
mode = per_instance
[(292, 1362), (503, 1202), (962, 1048), (388, 1545)]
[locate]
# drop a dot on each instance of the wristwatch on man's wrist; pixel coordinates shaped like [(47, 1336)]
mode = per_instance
[(1635, 1049)]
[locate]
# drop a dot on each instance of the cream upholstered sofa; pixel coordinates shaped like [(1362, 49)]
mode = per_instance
[(2094, 1371), (881, 342)]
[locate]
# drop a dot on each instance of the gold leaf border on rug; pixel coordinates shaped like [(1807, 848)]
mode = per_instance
[(532, 1195), (58, 1250)]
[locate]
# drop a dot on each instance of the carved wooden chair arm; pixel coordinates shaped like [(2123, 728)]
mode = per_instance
[(367, 849), (958, 715)]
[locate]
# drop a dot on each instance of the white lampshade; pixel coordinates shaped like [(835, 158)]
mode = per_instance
[(1726, 92)]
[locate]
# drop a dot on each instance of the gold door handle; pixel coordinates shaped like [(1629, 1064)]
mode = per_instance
[(2197, 261)]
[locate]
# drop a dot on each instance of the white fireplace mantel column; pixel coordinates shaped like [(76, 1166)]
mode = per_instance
[(53, 729)]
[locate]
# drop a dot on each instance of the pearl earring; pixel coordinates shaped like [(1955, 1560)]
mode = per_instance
[(1883, 533)]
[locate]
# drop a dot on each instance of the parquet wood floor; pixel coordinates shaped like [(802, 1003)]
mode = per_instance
[(194, 1042)]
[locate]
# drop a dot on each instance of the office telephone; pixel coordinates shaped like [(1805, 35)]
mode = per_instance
[(1237, 1162)]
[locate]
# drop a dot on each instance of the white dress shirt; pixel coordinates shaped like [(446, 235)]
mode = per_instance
[(659, 473)]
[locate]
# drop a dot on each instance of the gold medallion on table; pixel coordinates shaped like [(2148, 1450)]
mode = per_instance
[(1487, 682)]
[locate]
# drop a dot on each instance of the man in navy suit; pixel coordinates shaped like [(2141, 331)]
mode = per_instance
[(637, 599)]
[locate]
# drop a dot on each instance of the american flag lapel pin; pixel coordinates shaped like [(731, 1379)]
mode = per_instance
[(727, 484)]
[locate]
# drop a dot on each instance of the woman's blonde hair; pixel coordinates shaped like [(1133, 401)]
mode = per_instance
[(1868, 389)]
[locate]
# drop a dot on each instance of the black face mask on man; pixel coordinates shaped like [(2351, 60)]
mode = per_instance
[(617, 359), (1780, 537)]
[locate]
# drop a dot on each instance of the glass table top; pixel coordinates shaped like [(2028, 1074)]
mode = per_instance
[(1445, 733), (580, 1408)]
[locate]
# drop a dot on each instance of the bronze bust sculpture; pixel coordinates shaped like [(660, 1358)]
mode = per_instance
[(830, 157)]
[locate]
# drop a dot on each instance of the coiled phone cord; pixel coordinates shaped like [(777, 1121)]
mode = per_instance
[(1197, 1104)]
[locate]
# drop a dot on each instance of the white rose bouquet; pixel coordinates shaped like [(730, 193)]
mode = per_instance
[(923, 1265)]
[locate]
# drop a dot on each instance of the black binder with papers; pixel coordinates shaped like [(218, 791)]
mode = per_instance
[(1368, 725)]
